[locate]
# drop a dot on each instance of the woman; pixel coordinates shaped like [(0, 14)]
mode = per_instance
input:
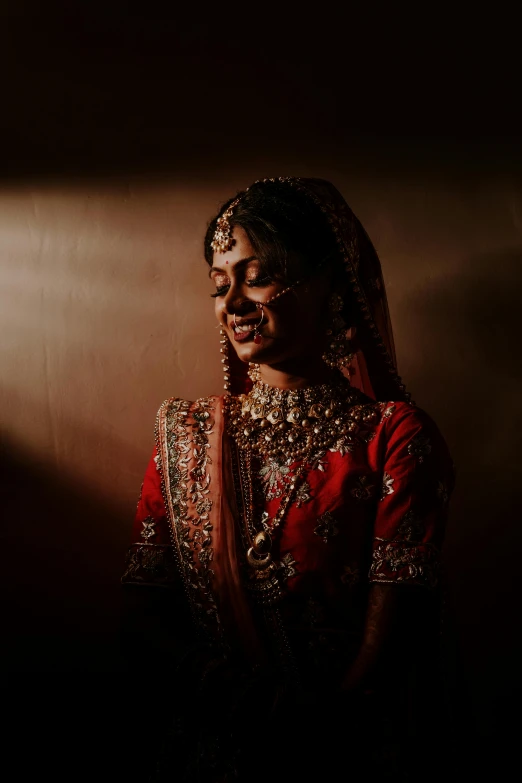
[(298, 519)]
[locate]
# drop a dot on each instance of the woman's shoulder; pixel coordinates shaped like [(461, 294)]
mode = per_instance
[(404, 424), (182, 402), (399, 411), (391, 416), (396, 414), (182, 408), (390, 412)]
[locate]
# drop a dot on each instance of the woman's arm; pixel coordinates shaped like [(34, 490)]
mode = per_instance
[(381, 617), (408, 532), (397, 621), (156, 625)]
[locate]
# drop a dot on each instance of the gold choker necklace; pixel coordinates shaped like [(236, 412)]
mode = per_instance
[(286, 424)]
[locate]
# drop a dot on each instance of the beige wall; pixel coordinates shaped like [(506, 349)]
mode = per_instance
[(104, 312)]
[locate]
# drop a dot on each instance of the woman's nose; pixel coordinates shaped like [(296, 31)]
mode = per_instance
[(236, 303)]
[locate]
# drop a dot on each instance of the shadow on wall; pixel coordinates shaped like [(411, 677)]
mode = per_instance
[(472, 361), (63, 553), (73, 706)]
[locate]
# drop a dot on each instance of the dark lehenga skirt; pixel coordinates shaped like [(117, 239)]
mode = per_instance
[(248, 726)]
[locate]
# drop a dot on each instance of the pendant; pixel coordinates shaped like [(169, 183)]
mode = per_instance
[(258, 562), (262, 543), (266, 587), (259, 555)]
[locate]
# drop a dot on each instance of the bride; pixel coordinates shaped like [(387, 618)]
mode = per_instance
[(296, 521)]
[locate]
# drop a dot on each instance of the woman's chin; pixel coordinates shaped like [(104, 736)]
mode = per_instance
[(249, 353), (252, 352)]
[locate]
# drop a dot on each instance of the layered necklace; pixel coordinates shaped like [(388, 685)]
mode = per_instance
[(288, 426), (285, 424)]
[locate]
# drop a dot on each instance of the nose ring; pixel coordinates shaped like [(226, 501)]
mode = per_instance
[(257, 336)]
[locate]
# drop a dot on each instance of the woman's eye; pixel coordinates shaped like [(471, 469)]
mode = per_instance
[(254, 282), (259, 281), (220, 291)]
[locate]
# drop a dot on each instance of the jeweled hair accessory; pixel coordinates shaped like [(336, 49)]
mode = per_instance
[(223, 240)]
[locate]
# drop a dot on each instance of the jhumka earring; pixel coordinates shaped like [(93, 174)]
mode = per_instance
[(338, 354), (254, 372), (224, 360)]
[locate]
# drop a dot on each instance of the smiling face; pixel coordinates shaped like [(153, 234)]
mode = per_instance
[(291, 328)]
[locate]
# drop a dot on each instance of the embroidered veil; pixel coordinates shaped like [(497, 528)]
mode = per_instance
[(374, 369)]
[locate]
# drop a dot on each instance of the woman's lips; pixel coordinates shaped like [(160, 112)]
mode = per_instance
[(244, 331), (241, 337)]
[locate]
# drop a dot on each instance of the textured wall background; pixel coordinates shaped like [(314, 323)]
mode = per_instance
[(105, 312), (122, 132)]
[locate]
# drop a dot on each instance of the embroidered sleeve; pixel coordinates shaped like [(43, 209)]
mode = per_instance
[(150, 559), (417, 479)]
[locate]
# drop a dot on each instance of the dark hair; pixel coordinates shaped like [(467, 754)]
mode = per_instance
[(280, 219)]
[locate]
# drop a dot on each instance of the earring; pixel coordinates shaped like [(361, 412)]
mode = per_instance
[(338, 354), (224, 360), (254, 372)]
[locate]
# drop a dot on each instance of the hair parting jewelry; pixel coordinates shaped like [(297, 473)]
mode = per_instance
[(223, 240)]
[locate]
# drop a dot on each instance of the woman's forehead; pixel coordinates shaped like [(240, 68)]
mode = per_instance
[(241, 252)]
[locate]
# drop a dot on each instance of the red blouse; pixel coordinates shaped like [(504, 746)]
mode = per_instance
[(371, 510)]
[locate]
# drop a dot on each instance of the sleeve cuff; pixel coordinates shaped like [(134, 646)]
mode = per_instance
[(150, 564), (404, 563)]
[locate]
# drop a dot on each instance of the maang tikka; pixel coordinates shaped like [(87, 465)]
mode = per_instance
[(338, 354), (222, 239)]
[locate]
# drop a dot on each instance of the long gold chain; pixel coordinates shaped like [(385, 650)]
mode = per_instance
[(259, 554), (289, 427)]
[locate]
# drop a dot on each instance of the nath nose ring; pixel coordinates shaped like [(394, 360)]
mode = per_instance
[(257, 336)]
